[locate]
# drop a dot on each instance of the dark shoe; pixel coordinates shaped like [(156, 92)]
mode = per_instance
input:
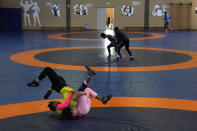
[(119, 59), (109, 57), (106, 99), (33, 84), (90, 71), (131, 57), (49, 92)]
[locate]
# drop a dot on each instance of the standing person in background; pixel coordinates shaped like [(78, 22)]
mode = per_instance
[(108, 22), (166, 21)]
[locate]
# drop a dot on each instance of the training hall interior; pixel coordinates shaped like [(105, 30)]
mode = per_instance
[(93, 65)]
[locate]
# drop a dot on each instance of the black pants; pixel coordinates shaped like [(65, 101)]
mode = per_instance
[(112, 44), (57, 81), (126, 44), (166, 25), (82, 87)]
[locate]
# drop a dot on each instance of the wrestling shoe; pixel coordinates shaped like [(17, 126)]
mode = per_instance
[(119, 59), (46, 96), (90, 71), (109, 57), (131, 57), (106, 99), (33, 84)]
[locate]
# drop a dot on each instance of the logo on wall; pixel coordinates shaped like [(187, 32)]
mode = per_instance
[(55, 8), (80, 9), (31, 8), (158, 10), (127, 10)]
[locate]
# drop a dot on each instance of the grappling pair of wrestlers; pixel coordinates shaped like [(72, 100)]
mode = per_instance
[(118, 42), (76, 104)]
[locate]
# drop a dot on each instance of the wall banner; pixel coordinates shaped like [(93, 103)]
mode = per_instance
[(80, 9), (127, 10)]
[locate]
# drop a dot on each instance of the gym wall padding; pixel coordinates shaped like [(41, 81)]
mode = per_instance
[(46, 17), (10, 19)]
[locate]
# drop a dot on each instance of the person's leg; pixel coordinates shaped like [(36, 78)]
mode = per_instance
[(57, 81), (117, 49), (47, 71), (108, 48), (92, 93), (60, 83), (109, 51), (84, 85), (83, 95), (90, 72), (165, 26), (127, 49), (84, 100), (48, 93), (119, 46)]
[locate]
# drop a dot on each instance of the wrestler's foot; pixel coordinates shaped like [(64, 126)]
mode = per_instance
[(131, 57), (119, 59), (90, 71), (33, 84), (49, 92), (109, 57), (106, 99)]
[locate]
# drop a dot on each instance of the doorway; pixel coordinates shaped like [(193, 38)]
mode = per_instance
[(109, 18), (105, 18), (101, 16)]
